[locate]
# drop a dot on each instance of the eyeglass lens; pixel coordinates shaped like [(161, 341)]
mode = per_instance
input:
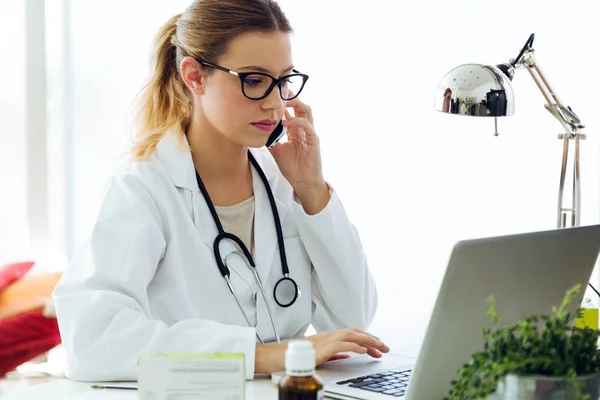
[(256, 86)]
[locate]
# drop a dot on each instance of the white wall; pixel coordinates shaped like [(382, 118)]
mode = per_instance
[(414, 181), (109, 45), (14, 233)]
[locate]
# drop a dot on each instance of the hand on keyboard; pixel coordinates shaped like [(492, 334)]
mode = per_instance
[(329, 345)]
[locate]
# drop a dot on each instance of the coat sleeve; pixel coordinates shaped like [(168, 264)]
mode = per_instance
[(344, 294), (102, 303)]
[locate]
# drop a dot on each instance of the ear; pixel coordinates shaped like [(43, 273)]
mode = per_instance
[(192, 74)]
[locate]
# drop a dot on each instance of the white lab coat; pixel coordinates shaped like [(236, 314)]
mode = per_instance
[(147, 280)]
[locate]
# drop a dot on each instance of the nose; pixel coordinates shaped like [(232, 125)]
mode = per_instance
[(274, 100)]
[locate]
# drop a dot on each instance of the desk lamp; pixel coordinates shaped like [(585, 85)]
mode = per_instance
[(486, 91)]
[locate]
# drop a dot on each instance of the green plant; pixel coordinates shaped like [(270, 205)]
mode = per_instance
[(537, 345)]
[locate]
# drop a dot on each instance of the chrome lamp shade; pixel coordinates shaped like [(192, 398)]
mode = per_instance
[(475, 90)]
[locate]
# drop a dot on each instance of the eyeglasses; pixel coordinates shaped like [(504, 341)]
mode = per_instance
[(258, 85)]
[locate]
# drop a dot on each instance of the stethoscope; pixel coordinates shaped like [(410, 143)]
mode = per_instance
[(286, 291)]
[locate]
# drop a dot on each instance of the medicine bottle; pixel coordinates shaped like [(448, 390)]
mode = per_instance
[(300, 382)]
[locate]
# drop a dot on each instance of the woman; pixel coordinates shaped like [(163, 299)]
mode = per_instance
[(150, 279)]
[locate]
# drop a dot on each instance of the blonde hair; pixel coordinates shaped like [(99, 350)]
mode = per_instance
[(203, 31)]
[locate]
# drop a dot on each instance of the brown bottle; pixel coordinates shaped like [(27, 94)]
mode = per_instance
[(300, 382)]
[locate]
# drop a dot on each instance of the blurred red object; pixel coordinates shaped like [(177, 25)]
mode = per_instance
[(24, 337), (9, 273)]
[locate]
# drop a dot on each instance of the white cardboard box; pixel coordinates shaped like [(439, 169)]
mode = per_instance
[(193, 376)]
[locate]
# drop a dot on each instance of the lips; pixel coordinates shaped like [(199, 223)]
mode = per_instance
[(266, 125)]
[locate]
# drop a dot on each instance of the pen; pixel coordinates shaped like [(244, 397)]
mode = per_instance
[(113, 387)]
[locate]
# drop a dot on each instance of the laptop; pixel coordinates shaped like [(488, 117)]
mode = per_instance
[(528, 273)]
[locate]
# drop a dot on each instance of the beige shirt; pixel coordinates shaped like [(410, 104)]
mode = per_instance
[(239, 221)]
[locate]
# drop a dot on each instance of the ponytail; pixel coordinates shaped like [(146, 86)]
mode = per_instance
[(163, 103)]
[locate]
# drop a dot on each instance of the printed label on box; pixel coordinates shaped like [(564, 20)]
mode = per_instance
[(167, 376)]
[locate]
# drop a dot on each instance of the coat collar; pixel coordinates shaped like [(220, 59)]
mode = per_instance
[(175, 156), (173, 152)]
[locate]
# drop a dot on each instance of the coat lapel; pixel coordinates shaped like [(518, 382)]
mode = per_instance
[(175, 157)]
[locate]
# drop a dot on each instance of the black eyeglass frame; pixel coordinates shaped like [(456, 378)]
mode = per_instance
[(274, 81)]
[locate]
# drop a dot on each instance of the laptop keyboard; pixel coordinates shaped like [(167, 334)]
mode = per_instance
[(393, 383)]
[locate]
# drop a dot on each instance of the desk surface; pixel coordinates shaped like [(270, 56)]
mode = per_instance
[(66, 389), (261, 388)]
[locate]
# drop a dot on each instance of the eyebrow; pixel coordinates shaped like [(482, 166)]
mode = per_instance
[(266, 71)]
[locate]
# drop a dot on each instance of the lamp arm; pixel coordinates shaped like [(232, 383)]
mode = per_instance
[(572, 126), (567, 118)]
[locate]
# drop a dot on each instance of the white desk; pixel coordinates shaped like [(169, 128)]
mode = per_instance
[(64, 389), (261, 388)]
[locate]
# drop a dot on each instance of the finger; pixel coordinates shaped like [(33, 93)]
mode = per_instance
[(295, 135), (301, 123), (364, 340), (301, 109), (374, 353), (296, 103), (339, 357), (360, 331), (365, 333), (344, 347)]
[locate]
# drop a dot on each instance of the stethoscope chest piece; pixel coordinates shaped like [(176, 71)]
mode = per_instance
[(286, 292)]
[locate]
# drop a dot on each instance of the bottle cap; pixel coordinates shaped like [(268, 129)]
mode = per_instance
[(300, 358)]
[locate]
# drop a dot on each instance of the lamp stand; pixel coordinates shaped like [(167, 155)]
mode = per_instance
[(571, 124)]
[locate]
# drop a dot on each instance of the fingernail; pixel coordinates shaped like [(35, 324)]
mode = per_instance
[(383, 346)]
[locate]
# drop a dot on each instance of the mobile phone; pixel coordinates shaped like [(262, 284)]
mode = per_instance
[(277, 134)]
